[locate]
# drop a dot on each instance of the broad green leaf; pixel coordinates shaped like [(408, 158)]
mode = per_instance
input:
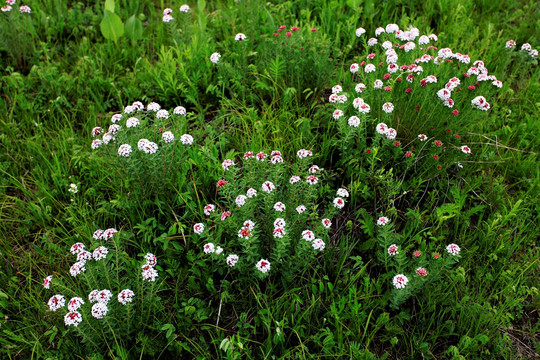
[(111, 26), (133, 28), (109, 5)]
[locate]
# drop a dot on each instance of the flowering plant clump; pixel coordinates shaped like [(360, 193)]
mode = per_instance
[(409, 268), (407, 96), (97, 298), (267, 219), (142, 143)]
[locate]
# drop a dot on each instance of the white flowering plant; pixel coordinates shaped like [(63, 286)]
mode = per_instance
[(146, 147), (98, 297), (408, 99), (409, 262), (17, 33), (268, 218)]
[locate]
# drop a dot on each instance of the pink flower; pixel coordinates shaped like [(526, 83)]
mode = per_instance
[(421, 272), (225, 215), (393, 250)]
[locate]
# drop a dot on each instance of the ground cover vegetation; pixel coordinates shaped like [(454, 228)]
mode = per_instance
[(282, 179)]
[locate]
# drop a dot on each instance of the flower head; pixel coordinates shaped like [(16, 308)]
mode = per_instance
[(167, 137), (400, 281), (327, 223), (56, 302), (125, 296), (47, 282), (75, 303), (215, 57), (383, 220), (100, 253), (124, 150), (99, 310), (198, 228), (232, 260), (180, 110), (393, 250), (453, 249), (421, 271), (268, 187), (263, 265), (240, 37), (209, 248), (72, 318), (318, 244)]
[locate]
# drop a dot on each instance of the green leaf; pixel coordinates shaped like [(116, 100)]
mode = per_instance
[(109, 5), (133, 28), (111, 26)]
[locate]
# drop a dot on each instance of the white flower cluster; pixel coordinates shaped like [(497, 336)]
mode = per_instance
[(148, 271)]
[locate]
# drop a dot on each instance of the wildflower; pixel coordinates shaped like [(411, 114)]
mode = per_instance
[(378, 84), (103, 296), (199, 227), (167, 11), (92, 297), (392, 28), (533, 53), (72, 318), (359, 87), (151, 259), (167, 136), (251, 193), (241, 200), (354, 68), (417, 254), (108, 234), (129, 109), (337, 89), (437, 143), (167, 18), (449, 103), (100, 253), (357, 102), (227, 164), (526, 47), (354, 121), (342, 99), (240, 37), (77, 268), (6, 8), (400, 281), (388, 107), (360, 31), (209, 208), (497, 83), (300, 209), (381, 128), (279, 232), (99, 310), (25, 9), (244, 233), (391, 134), (326, 223), (150, 147), (364, 108), (436, 157), (444, 94), (125, 296), (393, 250), (149, 273), (219, 250), (232, 260), (261, 156), (153, 106), (339, 203), (142, 143), (215, 57), (184, 8), (408, 154), (466, 149), (113, 129), (180, 110), (248, 155), (209, 248), (75, 303), (221, 183), (56, 302), (107, 137), (303, 153), (382, 221), (225, 215), (372, 42), (96, 144), (47, 282), (279, 206), (439, 167), (124, 150), (276, 159), (369, 68), (510, 44), (268, 187), (84, 255), (453, 249), (318, 244), (312, 180), (263, 265), (422, 137)]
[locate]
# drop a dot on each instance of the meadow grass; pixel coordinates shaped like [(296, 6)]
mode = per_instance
[(60, 78)]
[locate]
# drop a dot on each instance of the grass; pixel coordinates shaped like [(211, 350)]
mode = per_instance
[(60, 78)]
